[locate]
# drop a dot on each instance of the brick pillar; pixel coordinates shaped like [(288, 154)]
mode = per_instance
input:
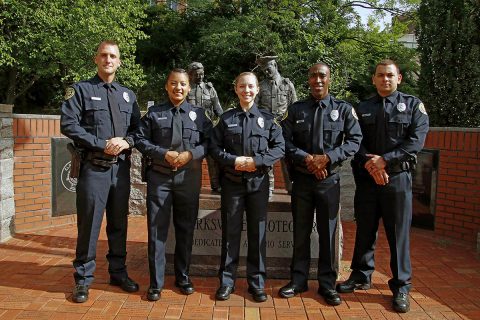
[(7, 206)]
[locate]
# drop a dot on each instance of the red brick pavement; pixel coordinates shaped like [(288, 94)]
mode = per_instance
[(36, 282)]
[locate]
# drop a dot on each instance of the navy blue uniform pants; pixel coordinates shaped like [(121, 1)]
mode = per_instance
[(174, 194), (392, 203), (320, 197), (250, 197), (98, 190)]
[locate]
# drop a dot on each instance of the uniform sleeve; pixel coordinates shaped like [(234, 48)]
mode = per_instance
[(217, 108), (200, 151), (416, 135), (143, 138), (217, 146), (70, 123), (297, 155), (276, 148), (351, 141), (134, 121)]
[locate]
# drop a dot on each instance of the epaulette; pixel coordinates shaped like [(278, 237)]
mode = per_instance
[(209, 84)]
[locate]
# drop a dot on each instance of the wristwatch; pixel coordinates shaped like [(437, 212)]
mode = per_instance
[(130, 142)]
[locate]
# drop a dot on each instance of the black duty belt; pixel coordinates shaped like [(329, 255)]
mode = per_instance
[(101, 159), (239, 176)]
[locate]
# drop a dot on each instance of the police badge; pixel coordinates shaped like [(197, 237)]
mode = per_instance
[(192, 115), (334, 115), (401, 107), (126, 97), (261, 122)]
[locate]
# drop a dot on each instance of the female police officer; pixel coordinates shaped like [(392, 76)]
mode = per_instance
[(174, 136), (246, 142)]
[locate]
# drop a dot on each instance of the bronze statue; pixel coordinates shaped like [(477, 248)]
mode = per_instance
[(204, 95), (276, 94)]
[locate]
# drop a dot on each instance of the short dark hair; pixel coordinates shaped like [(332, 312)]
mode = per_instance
[(386, 62), (320, 63), (176, 70)]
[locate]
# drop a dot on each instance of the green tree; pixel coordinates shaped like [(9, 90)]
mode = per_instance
[(54, 41), (449, 43), (228, 36)]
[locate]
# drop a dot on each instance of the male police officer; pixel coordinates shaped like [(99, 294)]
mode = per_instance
[(276, 94), (320, 132), (174, 136), (394, 126), (100, 115), (204, 95)]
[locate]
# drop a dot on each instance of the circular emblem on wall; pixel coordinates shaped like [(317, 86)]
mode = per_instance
[(68, 183)]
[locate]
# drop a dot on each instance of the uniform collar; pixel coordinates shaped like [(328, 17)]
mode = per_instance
[(253, 110), (391, 98), (184, 106), (326, 101), (100, 83)]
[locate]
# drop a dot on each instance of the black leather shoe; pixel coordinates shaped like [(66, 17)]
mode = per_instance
[(126, 284), (80, 293), (223, 293), (291, 290), (400, 302), (185, 287), (258, 295), (351, 285), (153, 294), (331, 296)]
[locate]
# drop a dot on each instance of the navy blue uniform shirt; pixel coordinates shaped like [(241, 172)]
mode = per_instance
[(154, 137), (341, 130), (405, 127), (86, 117), (265, 139)]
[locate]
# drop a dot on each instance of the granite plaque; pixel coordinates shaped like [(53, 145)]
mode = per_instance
[(63, 187), (207, 239)]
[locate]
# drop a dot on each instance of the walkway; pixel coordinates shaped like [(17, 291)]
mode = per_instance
[(36, 282)]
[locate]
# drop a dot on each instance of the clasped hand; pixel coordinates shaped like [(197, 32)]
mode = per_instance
[(376, 168), (317, 164), (245, 164), (178, 159), (115, 146)]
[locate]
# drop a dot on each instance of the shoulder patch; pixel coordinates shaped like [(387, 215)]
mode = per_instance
[(69, 92), (422, 109), (354, 114)]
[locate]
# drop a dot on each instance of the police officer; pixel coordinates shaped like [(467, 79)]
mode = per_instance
[(204, 95), (276, 94), (100, 116), (246, 142), (320, 132), (174, 136), (394, 126)]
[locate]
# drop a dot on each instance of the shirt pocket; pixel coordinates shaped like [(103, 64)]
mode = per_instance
[(301, 132), (126, 112), (96, 113), (233, 136), (191, 134), (333, 133), (398, 125), (162, 131), (259, 140)]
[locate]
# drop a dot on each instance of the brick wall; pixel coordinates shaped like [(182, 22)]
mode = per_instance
[(458, 191), (32, 172)]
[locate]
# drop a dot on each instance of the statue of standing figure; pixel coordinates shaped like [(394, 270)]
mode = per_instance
[(204, 95), (276, 94)]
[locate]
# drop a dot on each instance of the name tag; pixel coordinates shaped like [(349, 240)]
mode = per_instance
[(300, 121), (96, 98), (231, 125), (162, 118), (366, 115)]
